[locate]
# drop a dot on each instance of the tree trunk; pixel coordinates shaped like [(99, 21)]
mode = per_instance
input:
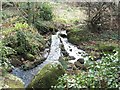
[(29, 13), (89, 9)]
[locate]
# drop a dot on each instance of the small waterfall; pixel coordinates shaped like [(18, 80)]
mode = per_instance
[(54, 55), (72, 50)]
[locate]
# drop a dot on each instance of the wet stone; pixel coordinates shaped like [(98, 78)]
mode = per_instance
[(62, 47), (63, 35), (71, 57), (69, 68), (70, 49), (81, 60), (65, 53)]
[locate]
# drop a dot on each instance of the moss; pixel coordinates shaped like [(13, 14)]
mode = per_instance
[(11, 81), (47, 76), (76, 36)]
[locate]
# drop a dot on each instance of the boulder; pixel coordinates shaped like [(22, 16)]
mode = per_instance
[(47, 76), (10, 81)]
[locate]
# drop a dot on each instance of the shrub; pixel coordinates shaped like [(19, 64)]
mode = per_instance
[(36, 14), (46, 11), (4, 60), (23, 44), (25, 40), (21, 26)]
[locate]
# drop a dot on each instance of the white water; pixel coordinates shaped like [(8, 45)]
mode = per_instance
[(55, 53), (72, 50)]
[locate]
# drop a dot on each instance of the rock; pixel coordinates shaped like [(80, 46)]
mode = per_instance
[(48, 44), (81, 60), (47, 76), (45, 53), (15, 61), (80, 66), (79, 52), (39, 61), (29, 57), (63, 35), (29, 65), (62, 47), (10, 81), (70, 49), (71, 58), (63, 61), (65, 53), (72, 69)]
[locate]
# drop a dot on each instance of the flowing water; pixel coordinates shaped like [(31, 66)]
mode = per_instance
[(53, 56), (55, 53), (72, 50)]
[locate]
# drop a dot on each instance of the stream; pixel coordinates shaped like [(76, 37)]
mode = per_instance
[(53, 56)]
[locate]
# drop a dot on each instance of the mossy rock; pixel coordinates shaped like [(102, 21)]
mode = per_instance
[(47, 76), (76, 36), (30, 65), (11, 81), (30, 57)]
